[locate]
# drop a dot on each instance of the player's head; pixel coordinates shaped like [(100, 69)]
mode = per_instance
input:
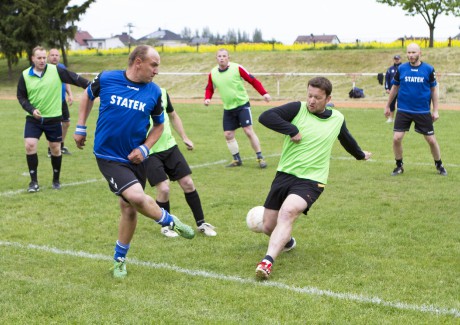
[(143, 64), (222, 57), (397, 59), (39, 58), (318, 94), (413, 53), (54, 56)]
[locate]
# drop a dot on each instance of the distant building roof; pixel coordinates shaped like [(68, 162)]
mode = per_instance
[(81, 37), (317, 38), (162, 34), (126, 39)]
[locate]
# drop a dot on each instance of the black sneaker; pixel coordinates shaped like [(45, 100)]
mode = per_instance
[(65, 151), (33, 187), (235, 163), (441, 170), (397, 171), (56, 185)]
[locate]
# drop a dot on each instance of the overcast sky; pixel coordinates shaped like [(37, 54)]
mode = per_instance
[(366, 20)]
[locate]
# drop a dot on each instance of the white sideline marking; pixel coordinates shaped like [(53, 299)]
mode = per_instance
[(11, 193), (205, 274), (218, 162)]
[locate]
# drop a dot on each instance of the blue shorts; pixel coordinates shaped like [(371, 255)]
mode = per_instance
[(35, 128), (170, 164), (237, 117), (286, 184)]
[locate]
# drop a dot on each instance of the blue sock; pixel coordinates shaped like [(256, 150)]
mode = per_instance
[(120, 250), (166, 218)]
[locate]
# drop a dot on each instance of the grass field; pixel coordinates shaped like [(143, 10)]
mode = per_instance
[(374, 249)]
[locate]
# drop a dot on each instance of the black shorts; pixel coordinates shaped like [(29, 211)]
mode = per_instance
[(166, 164), (121, 176), (35, 128), (234, 118), (65, 112), (423, 123), (286, 184)]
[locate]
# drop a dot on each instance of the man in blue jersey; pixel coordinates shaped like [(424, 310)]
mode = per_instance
[(310, 130), (416, 87), (128, 100), (391, 71), (39, 93)]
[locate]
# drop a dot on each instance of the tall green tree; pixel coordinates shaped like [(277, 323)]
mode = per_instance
[(428, 9), (17, 31), (61, 20)]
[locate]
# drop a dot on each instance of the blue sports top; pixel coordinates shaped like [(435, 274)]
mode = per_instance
[(63, 84), (415, 83), (124, 114)]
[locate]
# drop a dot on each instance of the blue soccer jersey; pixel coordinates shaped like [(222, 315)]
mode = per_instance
[(124, 114), (415, 83)]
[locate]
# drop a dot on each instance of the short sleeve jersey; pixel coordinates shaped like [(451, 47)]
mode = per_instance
[(124, 114), (415, 83)]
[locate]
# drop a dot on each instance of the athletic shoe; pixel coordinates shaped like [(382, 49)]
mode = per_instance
[(263, 270), (56, 185), (262, 163), (441, 170), (49, 152), (168, 232), (119, 268), (235, 163), (65, 151), (33, 187), (181, 228), (290, 247), (207, 229), (397, 171)]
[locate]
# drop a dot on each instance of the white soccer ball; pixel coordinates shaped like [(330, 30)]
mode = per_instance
[(255, 219)]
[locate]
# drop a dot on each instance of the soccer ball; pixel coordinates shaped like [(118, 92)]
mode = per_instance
[(255, 219)]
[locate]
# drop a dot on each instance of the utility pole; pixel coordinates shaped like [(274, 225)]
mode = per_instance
[(130, 25)]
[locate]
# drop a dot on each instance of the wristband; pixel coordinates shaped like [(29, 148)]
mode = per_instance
[(144, 150), (81, 130)]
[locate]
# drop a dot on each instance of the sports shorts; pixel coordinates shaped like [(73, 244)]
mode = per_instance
[(51, 127), (166, 164), (65, 112), (286, 184), (121, 176), (423, 123), (237, 117)]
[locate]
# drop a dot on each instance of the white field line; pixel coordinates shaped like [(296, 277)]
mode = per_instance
[(312, 291), (219, 162)]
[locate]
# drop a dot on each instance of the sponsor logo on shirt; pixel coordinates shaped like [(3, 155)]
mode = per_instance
[(414, 79), (127, 103)]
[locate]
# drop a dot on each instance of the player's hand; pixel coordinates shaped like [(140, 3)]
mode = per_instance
[(367, 155), (386, 111), (36, 113), (79, 140), (296, 138), (267, 97), (136, 156), (69, 100), (188, 143), (206, 102), (435, 116)]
